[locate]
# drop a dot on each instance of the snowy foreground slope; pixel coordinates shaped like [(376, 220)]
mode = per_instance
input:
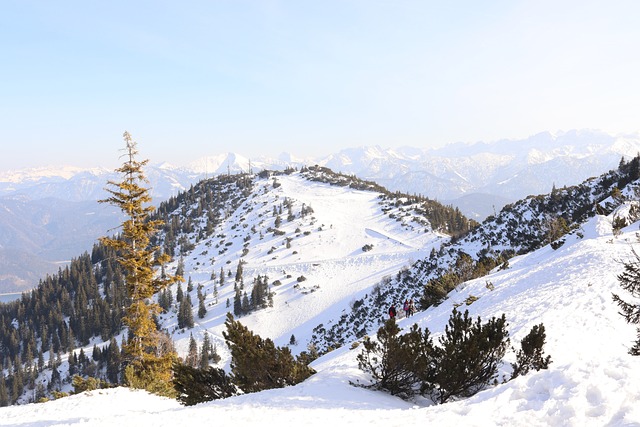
[(591, 382)]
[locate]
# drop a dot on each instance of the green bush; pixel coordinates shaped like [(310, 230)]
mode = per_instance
[(257, 364), (530, 356), (469, 356), (393, 360), (465, 361), (195, 385)]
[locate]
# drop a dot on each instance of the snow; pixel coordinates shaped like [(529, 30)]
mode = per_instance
[(327, 251), (592, 381)]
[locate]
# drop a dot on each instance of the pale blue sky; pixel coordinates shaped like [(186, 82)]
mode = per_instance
[(194, 78)]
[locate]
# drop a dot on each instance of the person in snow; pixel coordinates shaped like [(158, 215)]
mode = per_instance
[(412, 308), (405, 307), (392, 311)]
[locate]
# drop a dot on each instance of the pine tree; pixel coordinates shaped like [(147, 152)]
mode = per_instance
[(192, 355), (195, 386), (469, 355), (202, 309), (436, 290), (40, 360), (257, 364), (179, 293), (239, 271), (113, 361), (73, 363), (169, 297), (185, 313), (205, 352), (163, 301), (530, 356), (56, 380), (630, 282), (4, 396), (50, 363), (148, 367), (17, 384), (245, 306), (180, 268), (237, 303), (395, 362)]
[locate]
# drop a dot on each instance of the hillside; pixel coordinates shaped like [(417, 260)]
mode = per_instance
[(38, 236), (518, 228), (334, 251), (592, 381), (319, 245)]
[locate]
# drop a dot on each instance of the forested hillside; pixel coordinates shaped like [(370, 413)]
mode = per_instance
[(45, 336)]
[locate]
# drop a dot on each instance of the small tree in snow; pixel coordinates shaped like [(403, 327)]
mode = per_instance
[(531, 354)]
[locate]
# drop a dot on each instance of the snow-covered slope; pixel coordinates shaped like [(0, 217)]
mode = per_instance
[(592, 381), (344, 246)]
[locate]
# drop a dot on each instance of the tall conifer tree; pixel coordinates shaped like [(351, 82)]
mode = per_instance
[(192, 355), (148, 357)]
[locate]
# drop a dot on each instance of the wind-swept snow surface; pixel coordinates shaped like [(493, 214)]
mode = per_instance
[(592, 381)]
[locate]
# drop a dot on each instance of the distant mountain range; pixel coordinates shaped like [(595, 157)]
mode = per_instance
[(49, 215)]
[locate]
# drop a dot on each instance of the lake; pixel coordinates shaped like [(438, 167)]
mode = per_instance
[(10, 297)]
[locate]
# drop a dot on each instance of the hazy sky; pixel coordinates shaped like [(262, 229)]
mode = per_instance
[(194, 78)]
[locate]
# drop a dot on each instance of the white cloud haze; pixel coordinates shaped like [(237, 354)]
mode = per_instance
[(260, 78)]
